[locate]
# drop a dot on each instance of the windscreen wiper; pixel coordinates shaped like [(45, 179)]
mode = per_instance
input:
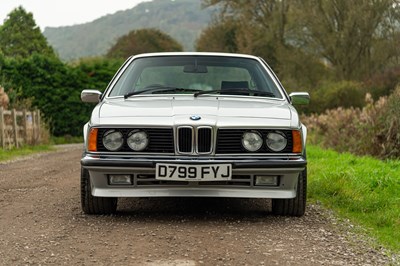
[(160, 89), (237, 91)]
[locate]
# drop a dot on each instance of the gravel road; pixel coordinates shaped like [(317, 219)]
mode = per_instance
[(41, 223)]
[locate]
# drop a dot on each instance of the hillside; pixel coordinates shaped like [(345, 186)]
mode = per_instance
[(182, 19)]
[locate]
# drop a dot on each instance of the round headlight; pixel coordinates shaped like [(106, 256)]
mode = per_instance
[(252, 141), (138, 140), (113, 140), (276, 141)]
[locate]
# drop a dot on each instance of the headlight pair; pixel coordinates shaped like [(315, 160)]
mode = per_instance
[(252, 141), (137, 140)]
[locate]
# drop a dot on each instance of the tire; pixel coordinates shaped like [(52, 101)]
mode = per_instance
[(295, 206), (91, 204)]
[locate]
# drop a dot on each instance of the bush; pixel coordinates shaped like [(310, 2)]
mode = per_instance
[(330, 95), (388, 137), (372, 130), (54, 87), (383, 83)]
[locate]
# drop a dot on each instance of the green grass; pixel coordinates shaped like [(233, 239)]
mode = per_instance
[(66, 140), (362, 189), (6, 154)]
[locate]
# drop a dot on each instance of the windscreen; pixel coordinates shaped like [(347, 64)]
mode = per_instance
[(227, 75)]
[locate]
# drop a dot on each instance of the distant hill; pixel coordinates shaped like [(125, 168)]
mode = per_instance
[(181, 19)]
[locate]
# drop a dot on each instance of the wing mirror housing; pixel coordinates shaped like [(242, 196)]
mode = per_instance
[(90, 96), (300, 98)]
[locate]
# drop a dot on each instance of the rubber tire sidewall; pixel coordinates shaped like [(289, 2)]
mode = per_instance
[(297, 205), (91, 204)]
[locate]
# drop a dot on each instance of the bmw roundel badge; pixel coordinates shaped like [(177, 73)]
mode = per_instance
[(195, 117)]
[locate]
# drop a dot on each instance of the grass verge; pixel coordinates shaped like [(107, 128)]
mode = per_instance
[(66, 140), (362, 189), (6, 155)]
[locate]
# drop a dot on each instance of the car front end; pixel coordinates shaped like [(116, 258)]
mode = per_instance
[(190, 140)]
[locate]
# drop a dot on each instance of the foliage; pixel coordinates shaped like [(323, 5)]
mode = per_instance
[(20, 37), (308, 41), (372, 130), (299, 71), (383, 83), (388, 127), (364, 190), (219, 37), (98, 71), (54, 87), (181, 19), (355, 41), (261, 25), (143, 41), (331, 95)]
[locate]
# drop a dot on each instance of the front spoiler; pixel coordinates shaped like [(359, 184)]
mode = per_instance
[(287, 169)]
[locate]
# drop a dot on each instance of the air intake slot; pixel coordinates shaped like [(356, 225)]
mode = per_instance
[(185, 139), (204, 140)]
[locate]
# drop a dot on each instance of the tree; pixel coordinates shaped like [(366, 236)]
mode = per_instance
[(352, 38), (220, 36), (21, 37), (143, 41), (262, 25), (357, 37), (98, 71)]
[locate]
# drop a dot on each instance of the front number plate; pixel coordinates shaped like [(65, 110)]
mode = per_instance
[(184, 172)]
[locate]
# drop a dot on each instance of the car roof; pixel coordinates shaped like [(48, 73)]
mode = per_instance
[(196, 54)]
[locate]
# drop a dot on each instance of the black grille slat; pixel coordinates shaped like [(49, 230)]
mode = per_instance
[(161, 139), (230, 141), (185, 139), (204, 140)]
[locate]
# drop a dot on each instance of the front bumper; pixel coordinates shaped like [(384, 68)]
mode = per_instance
[(242, 185)]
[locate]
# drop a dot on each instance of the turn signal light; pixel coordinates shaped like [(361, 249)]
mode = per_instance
[(297, 143), (92, 141)]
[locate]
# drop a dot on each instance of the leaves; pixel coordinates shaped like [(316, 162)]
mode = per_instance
[(307, 40), (143, 41), (355, 41), (372, 130), (219, 37), (54, 87), (21, 37)]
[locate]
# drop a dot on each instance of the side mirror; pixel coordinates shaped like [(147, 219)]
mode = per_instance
[(90, 96), (300, 98)]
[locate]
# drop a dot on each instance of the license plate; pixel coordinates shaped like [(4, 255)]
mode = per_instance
[(184, 172)]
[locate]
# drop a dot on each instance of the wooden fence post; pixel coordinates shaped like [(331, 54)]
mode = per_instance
[(25, 126), (38, 125), (15, 127), (2, 128), (34, 127)]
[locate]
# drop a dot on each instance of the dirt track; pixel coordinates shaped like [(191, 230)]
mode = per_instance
[(41, 223)]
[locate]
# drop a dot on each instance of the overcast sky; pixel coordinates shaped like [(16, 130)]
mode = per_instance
[(56, 13)]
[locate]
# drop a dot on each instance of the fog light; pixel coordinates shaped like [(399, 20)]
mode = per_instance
[(120, 179), (267, 180)]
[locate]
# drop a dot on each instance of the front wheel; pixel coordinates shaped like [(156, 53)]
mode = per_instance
[(91, 204), (297, 205)]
